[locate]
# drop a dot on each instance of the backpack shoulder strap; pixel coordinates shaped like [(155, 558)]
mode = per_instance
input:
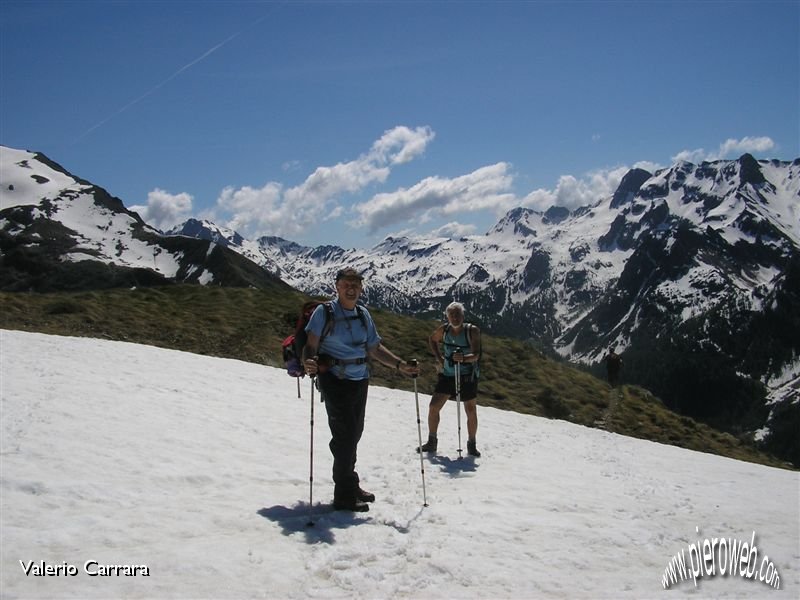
[(362, 315), (469, 328), (329, 320)]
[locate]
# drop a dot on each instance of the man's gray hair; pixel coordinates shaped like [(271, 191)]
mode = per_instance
[(454, 306)]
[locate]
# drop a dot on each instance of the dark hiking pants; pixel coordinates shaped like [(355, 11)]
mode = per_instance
[(346, 403)]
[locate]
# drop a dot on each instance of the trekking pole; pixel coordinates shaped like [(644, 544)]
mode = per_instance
[(413, 363), (458, 405), (311, 462)]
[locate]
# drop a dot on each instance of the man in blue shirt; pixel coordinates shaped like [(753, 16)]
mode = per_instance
[(340, 361)]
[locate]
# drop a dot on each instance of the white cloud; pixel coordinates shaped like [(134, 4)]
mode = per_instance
[(252, 210), (325, 183), (730, 148), (409, 142), (648, 166), (453, 230), (164, 210), (485, 188), (277, 211)]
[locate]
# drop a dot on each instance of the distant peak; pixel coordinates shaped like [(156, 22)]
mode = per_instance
[(630, 184), (518, 213), (555, 214), (206, 230), (750, 170)]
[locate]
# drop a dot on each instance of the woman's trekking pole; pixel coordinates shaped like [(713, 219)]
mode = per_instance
[(311, 462), (458, 406), (413, 363)]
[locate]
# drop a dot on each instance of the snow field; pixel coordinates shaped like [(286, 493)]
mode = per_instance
[(198, 468)]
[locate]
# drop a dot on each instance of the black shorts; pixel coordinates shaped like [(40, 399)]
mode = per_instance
[(447, 385)]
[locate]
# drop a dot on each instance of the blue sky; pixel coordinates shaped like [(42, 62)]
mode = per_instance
[(343, 122)]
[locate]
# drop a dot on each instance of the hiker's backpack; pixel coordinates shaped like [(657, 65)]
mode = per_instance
[(293, 345), (476, 368)]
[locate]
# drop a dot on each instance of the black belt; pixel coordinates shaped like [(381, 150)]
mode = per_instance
[(347, 361)]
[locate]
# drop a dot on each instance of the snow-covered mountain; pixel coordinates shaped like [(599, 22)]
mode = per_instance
[(705, 254), (201, 474), (58, 231)]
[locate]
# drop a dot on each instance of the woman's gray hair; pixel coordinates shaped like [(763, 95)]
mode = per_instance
[(454, 306)]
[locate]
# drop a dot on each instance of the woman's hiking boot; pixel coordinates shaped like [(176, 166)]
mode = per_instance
[(472, 449), (430, 445)]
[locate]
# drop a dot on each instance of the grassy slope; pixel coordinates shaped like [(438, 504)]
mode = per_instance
[(249, 325)]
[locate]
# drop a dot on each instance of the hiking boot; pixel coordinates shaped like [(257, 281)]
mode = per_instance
[(351, 504), (472, 449), (430, 445), (365, 496)]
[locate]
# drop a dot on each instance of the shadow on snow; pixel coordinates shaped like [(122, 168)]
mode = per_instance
[(454, 467), (317, 524), (318, 527)]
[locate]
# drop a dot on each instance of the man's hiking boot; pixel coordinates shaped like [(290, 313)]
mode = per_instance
[(430, 445), (351, 504), (472, 449), (365, 496)]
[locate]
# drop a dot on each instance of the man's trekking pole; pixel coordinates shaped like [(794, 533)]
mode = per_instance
[(458, 405), (311, 462), (413, 363)]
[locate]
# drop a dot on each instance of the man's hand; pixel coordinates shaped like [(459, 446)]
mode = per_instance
[(311, 366), (409, 368)]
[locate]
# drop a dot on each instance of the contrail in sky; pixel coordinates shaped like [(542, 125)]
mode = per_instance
[(155, 88)]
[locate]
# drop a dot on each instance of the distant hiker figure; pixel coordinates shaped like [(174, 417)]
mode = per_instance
[(613, 366), (340, 360), (456, 345)]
